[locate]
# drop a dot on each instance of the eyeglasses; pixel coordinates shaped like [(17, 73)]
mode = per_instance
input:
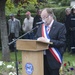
[(44, 18)]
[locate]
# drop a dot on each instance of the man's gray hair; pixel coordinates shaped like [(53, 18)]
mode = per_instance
[(49, 11), (68, 9)]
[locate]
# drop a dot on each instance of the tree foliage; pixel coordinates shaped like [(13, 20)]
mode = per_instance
[(16, 5), (10, 8), (65, 3), (25, 1), (62, 2), (9, 5)]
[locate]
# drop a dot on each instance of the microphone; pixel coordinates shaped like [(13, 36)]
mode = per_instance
[(39, 22)]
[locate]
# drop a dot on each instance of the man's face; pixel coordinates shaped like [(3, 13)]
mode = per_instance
[(68, 12), (12, 17), (46, 17), (38, 12), (28, 16)]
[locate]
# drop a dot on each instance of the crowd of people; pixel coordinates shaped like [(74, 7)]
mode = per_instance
[(48, 30)]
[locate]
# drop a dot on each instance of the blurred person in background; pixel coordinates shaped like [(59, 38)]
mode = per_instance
[(67, 24), (37, 19), (28, 25), (72, 30), (14, 26)]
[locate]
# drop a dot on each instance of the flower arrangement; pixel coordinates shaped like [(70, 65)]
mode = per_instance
[(67, 68), (8, 68)]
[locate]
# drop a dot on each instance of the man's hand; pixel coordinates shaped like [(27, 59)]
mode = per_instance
[(43, 39)]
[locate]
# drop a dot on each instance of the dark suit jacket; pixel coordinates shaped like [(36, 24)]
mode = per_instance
[(57, 36), (17, 26), (37, 19)]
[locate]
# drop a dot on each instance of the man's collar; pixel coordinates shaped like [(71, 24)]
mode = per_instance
[(51, 23)]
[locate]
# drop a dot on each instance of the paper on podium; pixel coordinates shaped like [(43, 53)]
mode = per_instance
[(45, 42)]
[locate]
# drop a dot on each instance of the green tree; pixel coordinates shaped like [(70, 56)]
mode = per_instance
[(9, 7)]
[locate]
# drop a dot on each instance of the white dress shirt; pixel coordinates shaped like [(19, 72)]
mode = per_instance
[(27, 24)]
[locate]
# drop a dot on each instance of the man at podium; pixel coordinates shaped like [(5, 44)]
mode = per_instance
[(52, 31)]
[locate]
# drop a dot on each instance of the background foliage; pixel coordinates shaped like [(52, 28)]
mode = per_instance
[(24, 5)]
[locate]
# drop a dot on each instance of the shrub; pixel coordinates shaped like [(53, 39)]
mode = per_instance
[(60, 14)]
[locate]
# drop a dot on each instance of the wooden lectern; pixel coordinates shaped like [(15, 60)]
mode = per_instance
[(32, 56)]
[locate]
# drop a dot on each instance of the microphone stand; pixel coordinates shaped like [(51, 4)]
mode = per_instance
[(15, 47)]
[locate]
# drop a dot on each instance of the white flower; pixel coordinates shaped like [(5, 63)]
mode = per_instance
[(9, 66), (1, 62), (12, 62), (12, 73)]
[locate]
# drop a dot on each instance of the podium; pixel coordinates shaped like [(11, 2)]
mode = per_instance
[(32, 56)]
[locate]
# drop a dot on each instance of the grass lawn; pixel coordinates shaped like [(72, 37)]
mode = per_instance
[(12, 56), (69, 57)]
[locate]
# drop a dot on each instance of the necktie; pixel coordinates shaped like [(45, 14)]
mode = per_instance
[(48, 29)]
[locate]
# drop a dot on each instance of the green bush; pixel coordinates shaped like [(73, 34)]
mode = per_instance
[(60, 14), (63, 3)]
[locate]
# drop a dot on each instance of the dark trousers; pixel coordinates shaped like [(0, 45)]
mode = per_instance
[(48, 70), (72, 41), (11, 37), (68, 43)]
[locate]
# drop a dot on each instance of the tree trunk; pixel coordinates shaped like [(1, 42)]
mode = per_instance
[(3, 30)]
